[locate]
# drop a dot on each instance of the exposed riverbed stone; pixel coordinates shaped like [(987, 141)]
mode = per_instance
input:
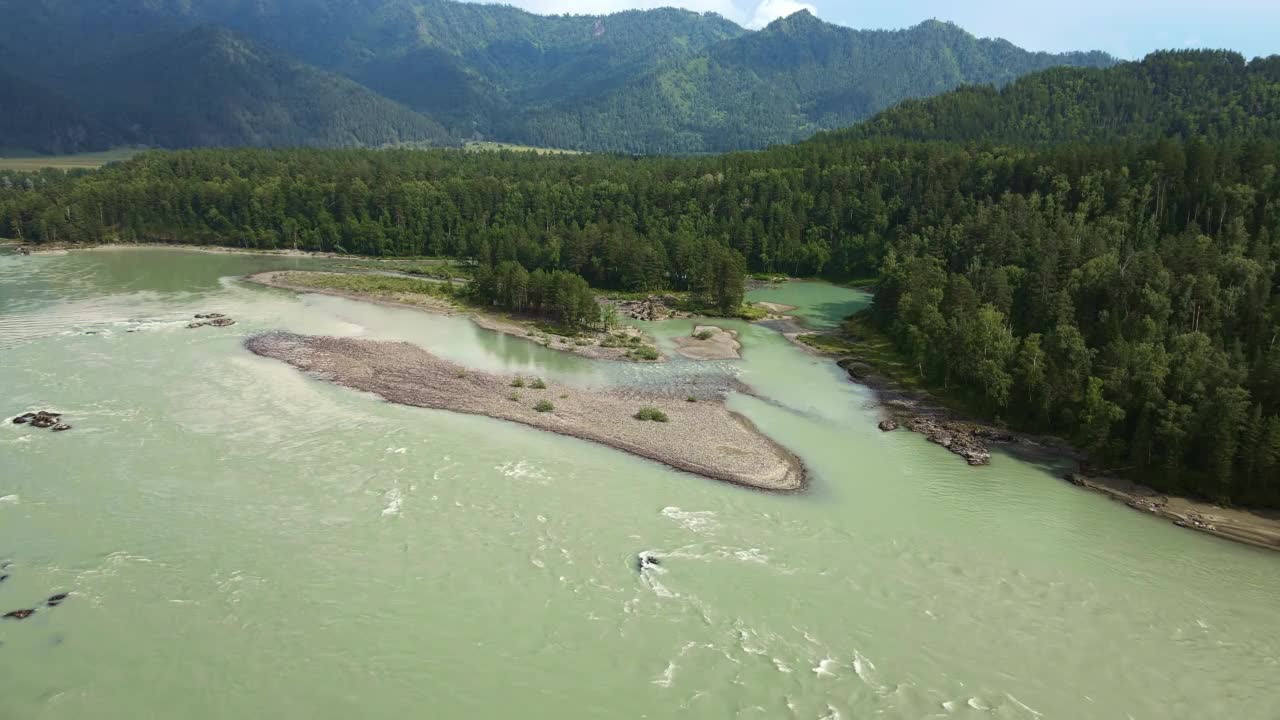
[(961, 439), (651, 309), (19, 614), (888, 425), (211, 320)]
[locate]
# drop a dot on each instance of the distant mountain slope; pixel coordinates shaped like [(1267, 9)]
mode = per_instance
[(662, 81), (210, 86), (797, 76), (34, 119), (1212, 94)]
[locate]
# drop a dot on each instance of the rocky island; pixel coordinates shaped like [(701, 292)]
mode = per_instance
[(704, 438)]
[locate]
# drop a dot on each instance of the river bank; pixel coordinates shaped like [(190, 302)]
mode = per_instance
[(917, 410), (620, 345), (61, 248), (702, 437)]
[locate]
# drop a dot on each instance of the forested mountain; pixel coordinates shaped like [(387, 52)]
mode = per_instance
[(212, 87), (795, 77), (1184, 94), (668, 81), (33, 118)]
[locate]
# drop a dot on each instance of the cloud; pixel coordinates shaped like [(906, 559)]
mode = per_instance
[(769, 10)]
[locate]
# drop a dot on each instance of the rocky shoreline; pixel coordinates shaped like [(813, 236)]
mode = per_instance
[(703, 438), (919, 412)]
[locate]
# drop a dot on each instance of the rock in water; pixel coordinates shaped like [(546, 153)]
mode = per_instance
[(956, 437), (18, 614), (888, 425), (61, 427), (647, 559), (56, 600), (45, 419), (24, 418), (209, 316)]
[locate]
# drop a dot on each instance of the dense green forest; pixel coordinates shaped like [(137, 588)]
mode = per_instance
[(795, 77), (338, 73), (1121, 294), (1185, 94)]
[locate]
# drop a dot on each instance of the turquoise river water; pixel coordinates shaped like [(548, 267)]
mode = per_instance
[(242, 541)]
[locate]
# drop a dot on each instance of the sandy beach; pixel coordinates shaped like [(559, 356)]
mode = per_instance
[(704, 438)]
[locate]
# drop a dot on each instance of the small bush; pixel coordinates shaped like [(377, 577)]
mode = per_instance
[(705, 334), (537, 384), (652, 414), (544, 406), (691, 399), (514, 397), (564, 397), (462, 373), (644, 353), (518, 382)]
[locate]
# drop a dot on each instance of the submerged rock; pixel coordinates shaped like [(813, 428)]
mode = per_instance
[(211, 320), (42, 419), (56, 600), (18, 614)]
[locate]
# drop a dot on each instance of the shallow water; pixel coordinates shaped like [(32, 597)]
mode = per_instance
[(241, 540)]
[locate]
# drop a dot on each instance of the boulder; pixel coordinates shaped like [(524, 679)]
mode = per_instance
[(18, 614), (56, 600), (856, 368), (888, 425), (209, 316), (45, 419)]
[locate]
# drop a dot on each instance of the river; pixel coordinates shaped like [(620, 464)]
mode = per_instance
[(240, 540)]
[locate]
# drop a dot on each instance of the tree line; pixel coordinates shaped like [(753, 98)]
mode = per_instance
[(1123, 295)]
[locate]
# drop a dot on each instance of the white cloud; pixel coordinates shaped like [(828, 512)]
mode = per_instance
[(769, 10)]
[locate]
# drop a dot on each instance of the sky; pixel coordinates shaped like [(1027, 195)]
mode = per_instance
[(1125, 28)]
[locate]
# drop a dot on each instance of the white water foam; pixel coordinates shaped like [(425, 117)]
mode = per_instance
[(9, 500), (523, 470), (824, 668), (664, 680), (692, 520), (395, 500)]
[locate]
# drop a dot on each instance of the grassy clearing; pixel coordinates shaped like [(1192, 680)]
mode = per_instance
[(488, 146), (384, 285), (439, 268), (79, 161)]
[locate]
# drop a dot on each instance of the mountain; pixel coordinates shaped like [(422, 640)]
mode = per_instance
[(37, 119), (1181, 94), (660, 81), (797, 76), (210, 86)]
